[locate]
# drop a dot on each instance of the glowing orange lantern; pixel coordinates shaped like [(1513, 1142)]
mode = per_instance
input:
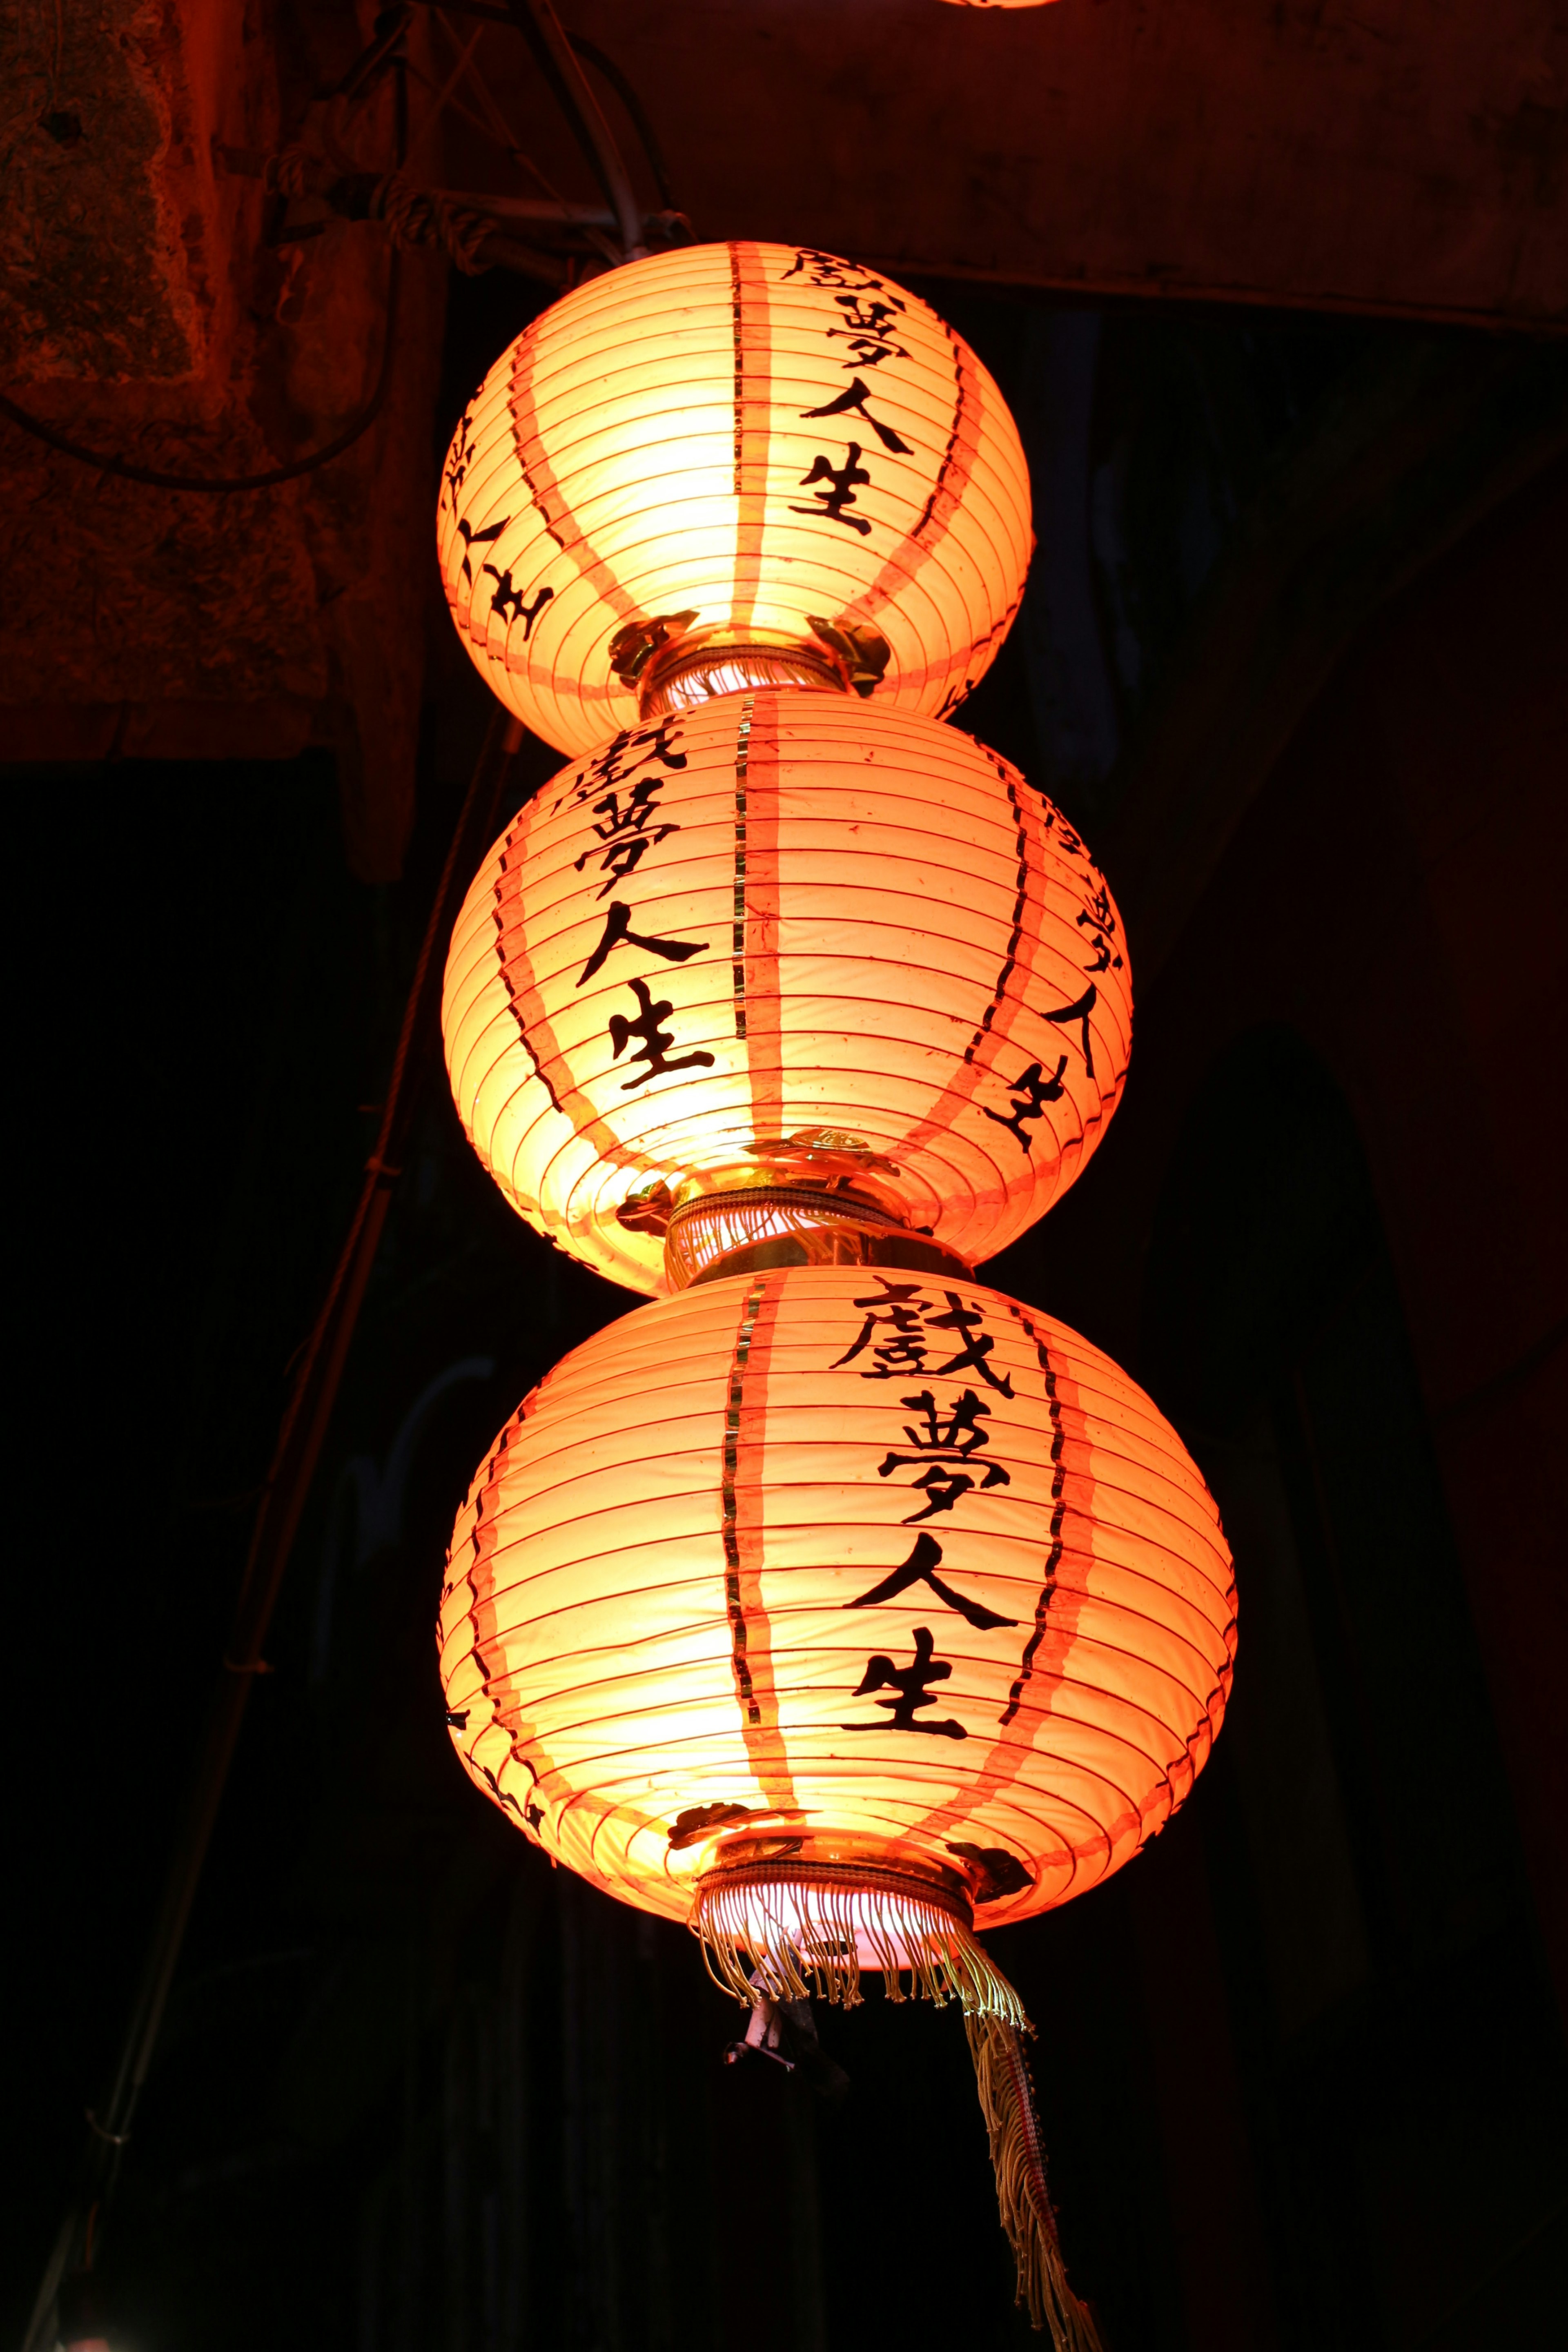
[(896, 1564), (900, 1607), (778, 955), (725, 465)]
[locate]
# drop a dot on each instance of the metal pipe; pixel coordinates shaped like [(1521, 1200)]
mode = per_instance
[(558, 61)]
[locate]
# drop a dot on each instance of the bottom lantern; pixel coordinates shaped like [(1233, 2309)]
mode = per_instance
[(831, 1609)]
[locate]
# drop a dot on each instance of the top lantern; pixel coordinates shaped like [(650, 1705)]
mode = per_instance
[(731, 465)]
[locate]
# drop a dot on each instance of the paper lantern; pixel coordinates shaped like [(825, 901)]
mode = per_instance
[(773, 956), (831, 1607), (727, 463)]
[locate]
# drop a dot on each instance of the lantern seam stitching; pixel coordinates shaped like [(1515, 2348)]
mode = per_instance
[(738, 933)]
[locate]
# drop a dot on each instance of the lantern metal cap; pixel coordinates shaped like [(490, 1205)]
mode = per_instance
[(818, 1232), (784, 1853), (672, 666), (820, 1197)]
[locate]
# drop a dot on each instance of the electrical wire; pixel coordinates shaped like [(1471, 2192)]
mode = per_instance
[(636, 112), (126, 470)]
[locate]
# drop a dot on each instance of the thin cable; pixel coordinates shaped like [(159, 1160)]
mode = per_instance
[(123, 469), (619, 82), (295, 1456), (448, 91), (636, 112), (500, 131), (557, 60)]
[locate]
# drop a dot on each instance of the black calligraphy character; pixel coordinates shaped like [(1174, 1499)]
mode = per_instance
[(851, 402), (655, 1042), (920, 1568), (629, 831), (910, 1685), (897, 1313), (632, 746), (654, 743), (618, 932), (1030, 1093), (904, 1316), (460, 457), (975, 1344), (942, 1448), (1066, 840), (507, 596), (826, 269), (868, 328), (1079, 1012), (1099, 919), (472, 539), (844, 479)]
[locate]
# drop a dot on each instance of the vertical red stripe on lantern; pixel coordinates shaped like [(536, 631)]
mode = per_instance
[(947, 491), (549, 498), (554, 1067), (1010, 995), (754, 411), (751, 1634), (1042, 1667), (501, 1739)]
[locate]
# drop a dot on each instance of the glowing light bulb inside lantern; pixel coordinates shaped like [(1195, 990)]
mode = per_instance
[(725, 466)]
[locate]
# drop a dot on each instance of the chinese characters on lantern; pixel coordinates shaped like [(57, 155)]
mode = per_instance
[(905, 1326), (627, 776), (1034, 1088), (865, 322)]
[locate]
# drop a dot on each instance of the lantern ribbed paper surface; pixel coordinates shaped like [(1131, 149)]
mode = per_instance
[(785, 914), (755, 438), (828, 1550)]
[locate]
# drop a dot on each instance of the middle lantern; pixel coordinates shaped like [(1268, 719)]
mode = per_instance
[(780, 958)]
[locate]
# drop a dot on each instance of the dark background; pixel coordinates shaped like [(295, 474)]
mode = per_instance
[(1300, 2067)]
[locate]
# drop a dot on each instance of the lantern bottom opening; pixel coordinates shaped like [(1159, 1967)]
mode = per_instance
[(803, 1927)]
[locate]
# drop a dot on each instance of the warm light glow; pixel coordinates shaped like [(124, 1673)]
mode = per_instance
[(830, 1549), (756, 438), (856, 923)]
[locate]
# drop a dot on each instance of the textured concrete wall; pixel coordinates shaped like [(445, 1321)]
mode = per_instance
[(144, 312)]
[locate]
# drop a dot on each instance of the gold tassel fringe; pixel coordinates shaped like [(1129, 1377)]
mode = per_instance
[(1006, 2101), (803, 1939)]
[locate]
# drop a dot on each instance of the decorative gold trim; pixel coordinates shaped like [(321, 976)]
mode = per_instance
[(756, 1226), (702, 664)]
